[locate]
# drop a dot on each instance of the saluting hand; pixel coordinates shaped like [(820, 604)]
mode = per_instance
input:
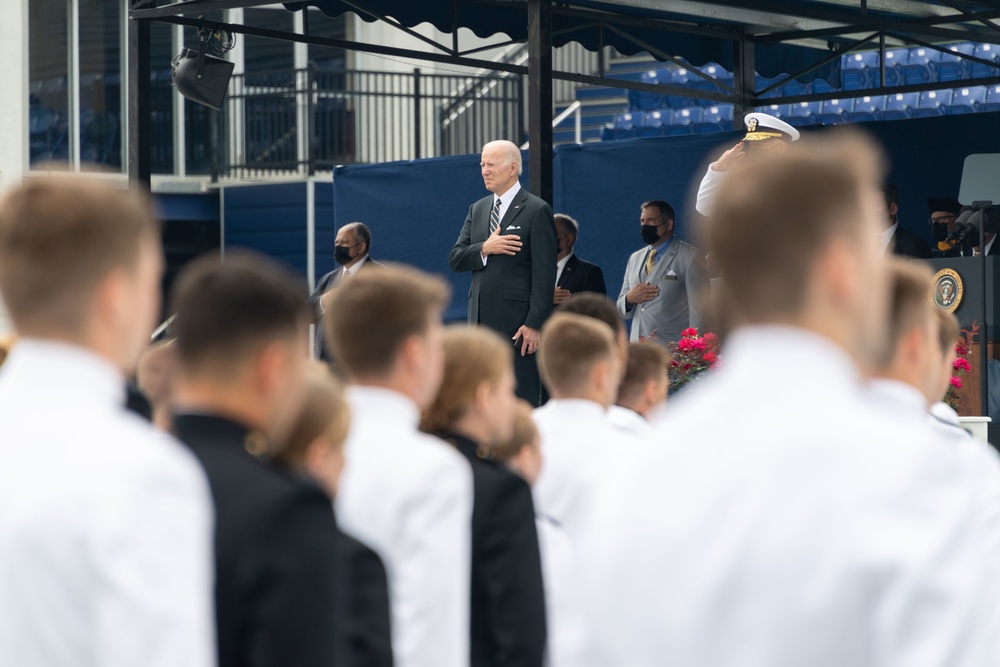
[(729, 159), (508, 244)]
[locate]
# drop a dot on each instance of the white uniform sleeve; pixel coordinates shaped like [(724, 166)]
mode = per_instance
[(709, 187), (157, 562), (435, 571)]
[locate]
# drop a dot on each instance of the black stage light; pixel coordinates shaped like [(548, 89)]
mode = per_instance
[(202, 78)]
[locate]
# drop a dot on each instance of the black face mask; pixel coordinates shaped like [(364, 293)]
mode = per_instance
[(939, 230), (342, 255), (650, 234)]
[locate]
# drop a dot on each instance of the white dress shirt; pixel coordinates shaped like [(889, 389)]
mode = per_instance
[(885, 238), (408, 496), (505, 201), (560, 265), (577, 443), (630, 423), (788, 524), (105, 524)]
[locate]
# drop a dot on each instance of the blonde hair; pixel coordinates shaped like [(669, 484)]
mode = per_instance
[(324, 412), (646, 362), (909, 304), (524, 435), (472, 356), (947, 330), (570, 348)]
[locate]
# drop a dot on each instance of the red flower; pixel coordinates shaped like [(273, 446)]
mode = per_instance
[(962, 364), (687, 367), (697, 344), (710, 337), (961, 350), (956, 383), (710, 357), (675, 363), (684, 344), (690, 332)]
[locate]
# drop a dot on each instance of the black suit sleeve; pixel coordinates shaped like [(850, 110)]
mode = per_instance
[(512, 570), (369, 640), (321, 288), (921, 249), (544, 248), (466, 256), (292, 619), (595, 281)]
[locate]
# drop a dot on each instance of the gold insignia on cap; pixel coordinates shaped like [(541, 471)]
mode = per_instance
[(948, 290), (255, 443), (752, 124)]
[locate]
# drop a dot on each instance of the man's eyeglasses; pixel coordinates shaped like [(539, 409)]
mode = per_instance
[(943, 219)]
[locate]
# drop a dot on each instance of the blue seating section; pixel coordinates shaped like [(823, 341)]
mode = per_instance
[(654, 114)]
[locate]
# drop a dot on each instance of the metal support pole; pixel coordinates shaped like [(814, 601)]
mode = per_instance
[(540, 97), (139, 113), (744, 80), (984, 340), (881, 60), (417, 120)]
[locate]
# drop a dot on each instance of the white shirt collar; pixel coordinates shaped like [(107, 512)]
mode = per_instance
[(507, 197), (376, 404), (886, 236), (575, 407), (898, 396), (354, 269), (561, 264), (66, 370)]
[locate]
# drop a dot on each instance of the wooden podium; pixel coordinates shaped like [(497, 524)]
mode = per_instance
[(970, 320)]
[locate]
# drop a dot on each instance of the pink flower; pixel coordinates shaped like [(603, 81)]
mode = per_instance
[(697, 344), (710, 358), (710, 337), (961, 350), (962, 364), (684, 344), (687, 367), (690, 332), (956, 382)]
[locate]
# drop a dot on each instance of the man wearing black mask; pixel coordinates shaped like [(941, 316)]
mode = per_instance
[(350, 251), (663, 281), (944, 213)]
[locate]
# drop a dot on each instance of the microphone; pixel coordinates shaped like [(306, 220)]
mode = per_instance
[(964, 230)]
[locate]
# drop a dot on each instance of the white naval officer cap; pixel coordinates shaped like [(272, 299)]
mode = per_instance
[(761, 126)]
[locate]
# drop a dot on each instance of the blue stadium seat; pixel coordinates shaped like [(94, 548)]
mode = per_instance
[(658, 118), (804, 109), (860, 60), (612, 133), (896, 57), (951, 66), (776, 110), (964, 100), (641, 100), (677, 130), (866, 109), (762, 82), (991, 102), (678, 75), (799, 121), (794, 87), (706, 128), (985, 52), (626, 121), (924, 55), (823, 86), (856, 78), (833, 112), (721, 114), (899, 106), (931, 103), (687, 116)]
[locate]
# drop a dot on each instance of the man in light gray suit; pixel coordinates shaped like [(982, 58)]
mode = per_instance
[(663, 281)]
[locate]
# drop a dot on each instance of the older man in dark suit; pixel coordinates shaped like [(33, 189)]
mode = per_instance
[(573, 275), (509, 243), (350, 251)]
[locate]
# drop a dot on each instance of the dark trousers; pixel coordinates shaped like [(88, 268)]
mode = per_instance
[(529, 385)]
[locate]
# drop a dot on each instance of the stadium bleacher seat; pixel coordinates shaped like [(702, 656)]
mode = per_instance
[(866, 109), (688, 116), (931, 103), (985, 52), (964, 100), (706, 128), (776, 110), (991, 101), (793, 88), (612, 133), (823, 86), (799, 121), (720, 114), (833, 112), (899, 106), (951, 66), (804, 109), (625, 121), (676, 130)]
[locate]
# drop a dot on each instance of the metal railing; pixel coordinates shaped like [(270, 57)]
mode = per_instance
[(309, 120)]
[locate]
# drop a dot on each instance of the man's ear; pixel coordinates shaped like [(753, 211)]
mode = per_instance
[(894, 210)]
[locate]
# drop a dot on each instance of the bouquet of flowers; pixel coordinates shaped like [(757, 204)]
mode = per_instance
[(691, 356), (960, 366)]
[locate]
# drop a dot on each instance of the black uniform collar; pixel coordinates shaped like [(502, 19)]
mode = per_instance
[(468, 447), (214, 429)]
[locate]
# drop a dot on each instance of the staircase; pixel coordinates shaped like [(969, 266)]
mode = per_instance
[(600, 104)]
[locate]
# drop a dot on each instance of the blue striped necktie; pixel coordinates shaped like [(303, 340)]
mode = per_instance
[(495, 217)]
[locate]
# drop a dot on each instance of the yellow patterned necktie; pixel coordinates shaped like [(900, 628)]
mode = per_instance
[(651, 261)]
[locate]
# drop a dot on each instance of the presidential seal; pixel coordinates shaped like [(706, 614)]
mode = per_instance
[(948, 290)]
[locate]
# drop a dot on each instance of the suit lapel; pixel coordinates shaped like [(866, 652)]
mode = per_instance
[(663, 266), (568, 269)]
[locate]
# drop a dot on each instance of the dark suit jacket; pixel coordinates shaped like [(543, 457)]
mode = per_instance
[(581, 276), (908, 244), (366, 593), (323, 286), (510, 290), (508, 601), (276, 549)]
